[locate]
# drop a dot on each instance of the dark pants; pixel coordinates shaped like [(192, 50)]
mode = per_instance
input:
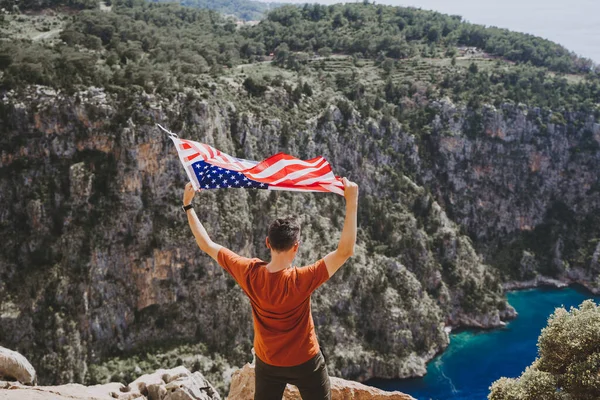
[(311, 379)]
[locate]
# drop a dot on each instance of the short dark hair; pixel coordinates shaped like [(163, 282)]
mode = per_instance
[(283, 233)]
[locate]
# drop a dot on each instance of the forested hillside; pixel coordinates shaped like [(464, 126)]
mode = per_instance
[(246, 10), (477, 151)]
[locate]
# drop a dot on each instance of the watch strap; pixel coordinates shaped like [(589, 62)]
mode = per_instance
[(185, 208)]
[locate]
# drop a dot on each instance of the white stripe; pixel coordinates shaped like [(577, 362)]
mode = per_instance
[(323, 178), (202, 149), (333, 189), (228, 157), (187, 154), (221, 160), (298, 174), (279, 165), (224, 165), (248, 164), (291, 189), (195, 148)]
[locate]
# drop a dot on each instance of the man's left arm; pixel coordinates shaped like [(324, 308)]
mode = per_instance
[(202, 239)]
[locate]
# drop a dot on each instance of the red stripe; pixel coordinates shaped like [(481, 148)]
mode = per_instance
[(293, 168), (312, 186), (209, 149), (193, 145), (186, 146), (292, 182), (278, 157), (261, 166), (190, 158)]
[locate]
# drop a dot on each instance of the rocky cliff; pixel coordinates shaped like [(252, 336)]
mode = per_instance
[(527, 190), (97, 257)]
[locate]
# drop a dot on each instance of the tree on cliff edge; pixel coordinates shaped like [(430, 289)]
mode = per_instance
[(568, 366)]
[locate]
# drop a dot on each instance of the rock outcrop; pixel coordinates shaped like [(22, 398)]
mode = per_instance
[(180, 384), (16, 366), (242, 388), (71, 391), (172, 384)]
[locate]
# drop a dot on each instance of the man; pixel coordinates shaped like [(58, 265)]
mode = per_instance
[(285, 342)]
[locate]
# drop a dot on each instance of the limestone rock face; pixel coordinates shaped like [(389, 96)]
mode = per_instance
[(97, 258), (524, 187), (172, 384), (14, 365), (242, 388), (16, 391)]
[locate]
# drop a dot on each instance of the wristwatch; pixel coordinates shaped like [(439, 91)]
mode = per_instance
[(185, 208)]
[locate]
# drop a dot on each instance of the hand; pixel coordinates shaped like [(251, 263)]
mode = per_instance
[(188, 194), (350, 191)]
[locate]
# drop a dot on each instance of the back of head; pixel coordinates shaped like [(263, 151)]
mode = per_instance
[(284, 233)]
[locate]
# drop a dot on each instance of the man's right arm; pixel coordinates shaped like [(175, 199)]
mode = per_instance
[(345, 249)]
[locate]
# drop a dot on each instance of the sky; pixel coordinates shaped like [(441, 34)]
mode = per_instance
[(575, 24)]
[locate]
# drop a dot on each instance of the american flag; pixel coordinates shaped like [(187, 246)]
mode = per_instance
[(209, 168)]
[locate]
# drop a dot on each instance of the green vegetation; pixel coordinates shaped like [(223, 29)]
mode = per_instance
[(398, 32), (164, 48), (127, 368), (41, 4), (568, 362), (246, 10)]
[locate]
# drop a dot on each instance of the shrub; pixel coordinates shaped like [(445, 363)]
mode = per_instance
[(569, 360)]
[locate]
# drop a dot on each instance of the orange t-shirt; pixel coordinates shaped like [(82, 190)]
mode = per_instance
[(284, 331)]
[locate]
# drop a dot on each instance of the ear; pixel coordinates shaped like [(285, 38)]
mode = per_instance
[(296, 246), (267, 243)]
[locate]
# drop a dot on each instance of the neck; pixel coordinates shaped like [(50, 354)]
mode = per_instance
[(280, 261)]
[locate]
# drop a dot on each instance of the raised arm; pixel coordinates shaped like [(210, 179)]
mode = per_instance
[(345, 249), (204, 241)]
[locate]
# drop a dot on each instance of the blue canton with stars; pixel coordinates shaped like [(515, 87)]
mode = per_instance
[(212, 177)]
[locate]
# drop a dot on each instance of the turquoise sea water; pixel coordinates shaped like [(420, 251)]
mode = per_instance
[(475, 359)]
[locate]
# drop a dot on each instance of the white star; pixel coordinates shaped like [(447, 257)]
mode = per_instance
[(249, 183), (224, 180), (206, 167), (228, 186), (263, 184), (220, 169), (198, 166), (213, 181), (237, 182), (206, 186), (221, 175), (228, 171), (218, 187), (245, 178)]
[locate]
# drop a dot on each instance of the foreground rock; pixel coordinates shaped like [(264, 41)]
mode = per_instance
[(17, 391), (14, 365), (180, 384), (242, 388), (172, 384)]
